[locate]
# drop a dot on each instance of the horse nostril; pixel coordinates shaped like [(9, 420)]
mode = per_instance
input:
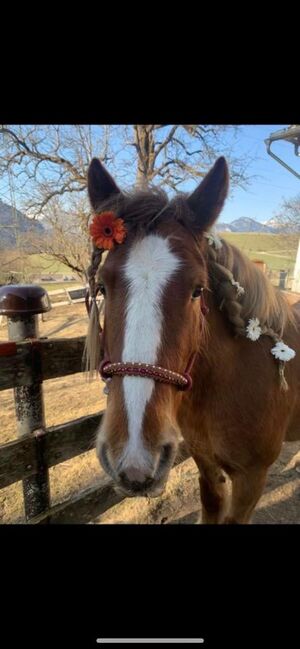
[(167, 450), (133, 475), (135, 480), (139, 487)]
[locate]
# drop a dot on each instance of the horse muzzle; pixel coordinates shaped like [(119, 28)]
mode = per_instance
[(134, 482)]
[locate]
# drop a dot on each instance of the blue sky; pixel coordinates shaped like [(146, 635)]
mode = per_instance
[(271, 182)]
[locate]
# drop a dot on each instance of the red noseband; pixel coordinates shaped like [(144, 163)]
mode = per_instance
[(148, 371)]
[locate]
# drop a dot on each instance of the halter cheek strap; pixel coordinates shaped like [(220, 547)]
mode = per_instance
[(160, 374)]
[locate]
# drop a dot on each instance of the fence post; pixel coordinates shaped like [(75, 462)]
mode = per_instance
[(21, 305), (282, 278)]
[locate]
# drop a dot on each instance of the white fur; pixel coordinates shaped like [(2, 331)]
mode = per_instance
[(148, 269)]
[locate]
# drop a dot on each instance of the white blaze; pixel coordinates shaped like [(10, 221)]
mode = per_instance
[(148, 269)]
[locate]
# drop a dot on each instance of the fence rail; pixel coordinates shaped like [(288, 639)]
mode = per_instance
[(19, 459), (54, 357), (25, 362), (72, 295)]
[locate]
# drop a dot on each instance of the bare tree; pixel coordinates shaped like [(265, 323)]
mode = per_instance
[(50, 161), (66, 237), (12, 266), (49, 166), (289, 215), (172, 155)]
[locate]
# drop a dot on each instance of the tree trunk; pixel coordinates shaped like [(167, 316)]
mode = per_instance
[(144, 142)]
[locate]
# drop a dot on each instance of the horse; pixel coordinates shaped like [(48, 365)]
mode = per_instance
[(197, 344)]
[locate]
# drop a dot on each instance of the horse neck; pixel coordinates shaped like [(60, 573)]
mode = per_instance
[(218, 340)]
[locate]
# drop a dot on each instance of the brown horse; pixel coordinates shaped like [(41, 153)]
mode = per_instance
[(180, 354)]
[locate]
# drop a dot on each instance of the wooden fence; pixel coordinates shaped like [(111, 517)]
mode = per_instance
[(25, 362), (63, 296)]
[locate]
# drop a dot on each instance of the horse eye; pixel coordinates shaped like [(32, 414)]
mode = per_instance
[(102, 289), (196, 293)]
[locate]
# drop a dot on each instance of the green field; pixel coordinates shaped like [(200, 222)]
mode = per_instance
[(55, 286), (18, 261), (45, 263), (277, 251)]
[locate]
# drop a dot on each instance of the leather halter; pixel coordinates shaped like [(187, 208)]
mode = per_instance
[(161, 374)]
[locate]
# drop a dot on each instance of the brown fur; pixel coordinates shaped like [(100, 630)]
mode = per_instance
[(236, 416)]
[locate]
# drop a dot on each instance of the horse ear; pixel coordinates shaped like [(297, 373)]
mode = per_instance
[(207, 200), (100, 184)]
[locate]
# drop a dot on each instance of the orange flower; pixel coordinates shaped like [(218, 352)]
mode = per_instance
[(106, 229)]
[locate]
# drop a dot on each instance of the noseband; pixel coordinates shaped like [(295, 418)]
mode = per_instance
[(161, 374)]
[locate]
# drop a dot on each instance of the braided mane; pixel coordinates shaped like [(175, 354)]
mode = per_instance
[(260, 299)]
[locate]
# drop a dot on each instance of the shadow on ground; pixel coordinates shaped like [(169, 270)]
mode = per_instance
[(280, 502)]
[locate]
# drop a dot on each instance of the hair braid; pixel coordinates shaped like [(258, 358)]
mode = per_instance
[(92, 349), (225, 288), (93, 271), (223, 279)]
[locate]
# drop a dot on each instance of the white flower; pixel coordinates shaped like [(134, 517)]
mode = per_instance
[(283, 352), (253, 329), (239, 289), (213, 240)]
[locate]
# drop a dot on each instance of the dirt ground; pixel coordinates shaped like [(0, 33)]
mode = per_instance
[(65, 398), (71, 397)]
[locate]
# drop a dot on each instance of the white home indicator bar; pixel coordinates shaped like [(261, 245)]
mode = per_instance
[(150, 640)]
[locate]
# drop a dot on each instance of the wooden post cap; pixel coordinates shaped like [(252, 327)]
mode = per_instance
[(26, 299)]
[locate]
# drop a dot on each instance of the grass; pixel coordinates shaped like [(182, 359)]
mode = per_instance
[(277, 251), (13, 261), (55, 286), (47, 264), (274, 262)]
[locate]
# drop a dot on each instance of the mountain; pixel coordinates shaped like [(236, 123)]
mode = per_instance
[(223, 227), (13, 222), (244, 224), (272, 223)]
